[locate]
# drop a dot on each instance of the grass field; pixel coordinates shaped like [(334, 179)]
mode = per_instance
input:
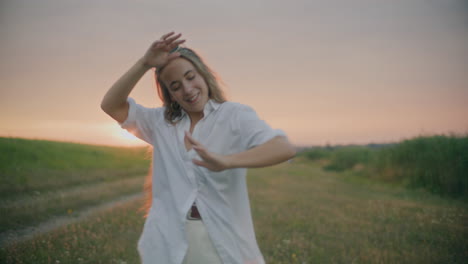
[(437, 163), (28, 167), (44, 179), (302, 214)]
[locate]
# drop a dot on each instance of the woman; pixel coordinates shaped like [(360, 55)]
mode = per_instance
[(202, 145)]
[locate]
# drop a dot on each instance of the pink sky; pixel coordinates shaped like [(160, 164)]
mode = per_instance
[(333, 72)]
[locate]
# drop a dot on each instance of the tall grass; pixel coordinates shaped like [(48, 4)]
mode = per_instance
[(436, 163), (348, 158)]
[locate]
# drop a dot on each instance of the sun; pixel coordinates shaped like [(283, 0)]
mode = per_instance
[(120, 136), (128, 138)]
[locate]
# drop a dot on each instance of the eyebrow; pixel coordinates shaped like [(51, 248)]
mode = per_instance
[(185, 74)]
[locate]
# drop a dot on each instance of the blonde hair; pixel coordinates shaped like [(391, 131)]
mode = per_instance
[(173, 111), (172, 114)]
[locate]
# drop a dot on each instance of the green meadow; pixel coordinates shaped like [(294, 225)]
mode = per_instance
[(31, 166), (44, 179), (311, 210), (438, 164)]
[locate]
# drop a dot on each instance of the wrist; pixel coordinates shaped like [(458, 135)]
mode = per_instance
[(231, 162), (143, 65)]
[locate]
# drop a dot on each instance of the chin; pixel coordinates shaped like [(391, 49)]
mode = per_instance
[(194, 108), (197, 107)]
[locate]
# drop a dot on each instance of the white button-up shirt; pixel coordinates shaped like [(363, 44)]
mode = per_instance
[(221, 197)]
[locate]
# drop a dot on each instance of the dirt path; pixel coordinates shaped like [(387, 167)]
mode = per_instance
[(10, 237)]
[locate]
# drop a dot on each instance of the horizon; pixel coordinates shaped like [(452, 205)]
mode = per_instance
[(300, 147)]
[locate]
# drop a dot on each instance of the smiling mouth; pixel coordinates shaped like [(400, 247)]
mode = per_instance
[(193, 99)]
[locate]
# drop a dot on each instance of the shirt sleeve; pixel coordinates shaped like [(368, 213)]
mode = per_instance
[(141, 121), (253, 130)]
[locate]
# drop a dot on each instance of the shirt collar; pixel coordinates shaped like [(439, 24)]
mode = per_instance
[(210, 106)]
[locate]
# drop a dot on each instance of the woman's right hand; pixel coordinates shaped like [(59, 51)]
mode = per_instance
[(158, 53)]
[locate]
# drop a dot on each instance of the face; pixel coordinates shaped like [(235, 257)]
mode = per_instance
[(186, 86)]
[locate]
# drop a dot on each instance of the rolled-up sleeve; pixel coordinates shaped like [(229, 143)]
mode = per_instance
[(253, 130), (141, 121)]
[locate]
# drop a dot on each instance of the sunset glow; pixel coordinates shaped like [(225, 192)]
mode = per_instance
[(127, 138), (325, 72)]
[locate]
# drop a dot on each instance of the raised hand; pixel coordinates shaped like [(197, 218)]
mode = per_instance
[(158, 53), (211, 161)]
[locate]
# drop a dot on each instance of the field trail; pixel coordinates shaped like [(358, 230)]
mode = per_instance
[(14, 236)]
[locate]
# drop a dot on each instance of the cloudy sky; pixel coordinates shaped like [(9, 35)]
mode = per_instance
[(325, 71)]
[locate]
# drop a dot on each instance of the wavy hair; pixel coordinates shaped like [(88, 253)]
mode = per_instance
[(173, 110)]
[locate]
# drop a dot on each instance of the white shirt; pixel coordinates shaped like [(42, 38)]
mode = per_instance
[(221, 197)]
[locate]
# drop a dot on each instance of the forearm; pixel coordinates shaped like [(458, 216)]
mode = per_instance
[(117, 95), (270, 153)]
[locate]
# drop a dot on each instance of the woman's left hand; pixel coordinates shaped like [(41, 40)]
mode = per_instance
[(211, 161)]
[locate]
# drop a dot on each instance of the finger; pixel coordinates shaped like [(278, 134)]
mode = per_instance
[(173, 56), (176, 43), (167, 35), (201, 151), (157, 44), (191, 139), (173, 47), (203, 154), (200, 163), (171, 39)]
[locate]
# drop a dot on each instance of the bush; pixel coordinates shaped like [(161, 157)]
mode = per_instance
[(317, 154), (347, 157), (437, 163)]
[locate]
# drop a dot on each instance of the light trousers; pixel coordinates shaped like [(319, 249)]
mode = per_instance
[(200, 249)]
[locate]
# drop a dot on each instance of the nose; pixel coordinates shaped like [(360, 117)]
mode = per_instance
[(188, 87)]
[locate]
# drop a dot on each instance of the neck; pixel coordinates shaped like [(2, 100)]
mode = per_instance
[(195, 117)]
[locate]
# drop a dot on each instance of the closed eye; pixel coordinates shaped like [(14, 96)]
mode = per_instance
[(175, 87), (190, 75)]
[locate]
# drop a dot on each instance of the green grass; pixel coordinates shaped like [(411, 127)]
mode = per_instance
[(436, 163), (42, 179), (31, 166), (347, 158), (29, 211), (109, 237), (302, 214)]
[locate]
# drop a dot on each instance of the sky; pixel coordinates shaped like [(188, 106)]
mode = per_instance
[(325, 71)]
